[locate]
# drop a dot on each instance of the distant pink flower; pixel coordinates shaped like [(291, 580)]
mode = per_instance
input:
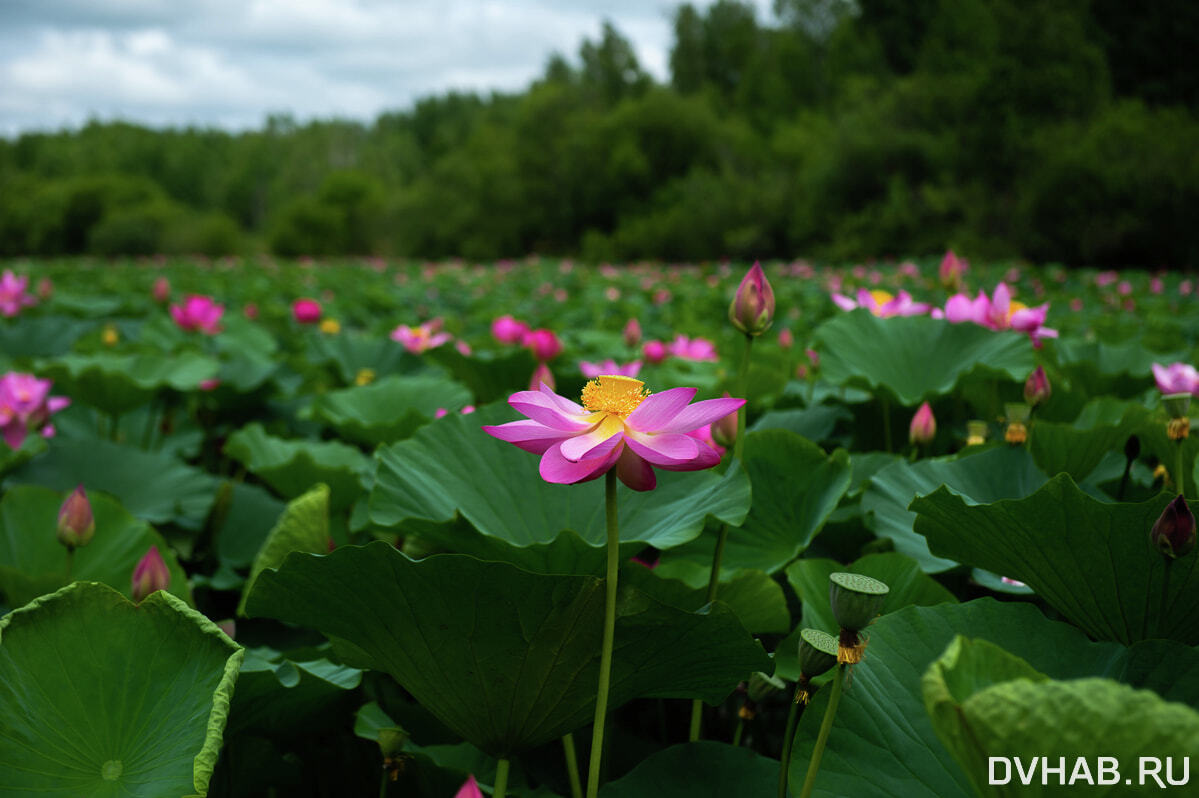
[(1106, 278), (162, 290), (1176, 378), (420, 338), (697, 349), (306, 311), (632, 333), (1076, 304), (198, 313), (999, 312), (1156, 286), (544, 344), (210, 384), (469, 789), (14, 294), (662, 296), (593, 370), (441, 412), (923, 428), (463, 348), (542, 376), (655, 352), (1124, 288), (26, 404), (882, 304), (619, 425), (250, 311), (1185, 287), (1007, 580), (786, 338), (508, 330), (150, 574), (45, 289)]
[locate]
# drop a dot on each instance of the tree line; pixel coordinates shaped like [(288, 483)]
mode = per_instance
[(1064, 131)]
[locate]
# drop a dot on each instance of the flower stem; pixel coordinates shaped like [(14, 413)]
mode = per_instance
[(738, 732), (826, 726), (789, 739), (572, 765), (384, 777), (605, 674), (501, 778), (697, 706), (1161, 614), (70, 562), (886, 406), (1178, 477)]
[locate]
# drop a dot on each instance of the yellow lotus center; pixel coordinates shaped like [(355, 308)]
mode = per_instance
[(880, 296), (614, 395), (330, 326), (1013, 307)]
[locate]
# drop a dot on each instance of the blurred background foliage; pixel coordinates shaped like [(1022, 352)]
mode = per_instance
[(1064, 131)]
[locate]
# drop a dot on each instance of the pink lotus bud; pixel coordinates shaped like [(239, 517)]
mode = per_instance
[(76, 524), (508, 330), (45, 289), (655, 351), (544, 345), (786, 338), (813, 356), (752, 308), (229, 627), (542, 375), (469, 789), (250, 311), (724, 430), (1036, 387), (306, 311), (1173, 533), (162, 290), (150, 574), (952, 270), (210, 384), (924, 426), (632, 333)]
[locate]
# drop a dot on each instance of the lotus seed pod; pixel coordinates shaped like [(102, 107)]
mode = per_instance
[(761, 685), (817, 652), (1177, 404), (855, 599)]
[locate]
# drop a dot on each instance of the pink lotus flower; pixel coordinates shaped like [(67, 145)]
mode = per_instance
[(544, 345), (593, 370), (422, 337), (150, 574), (619, 425), (632, 333), (1176, 378), (469, 789), (655, 352), (697, 349), (14, 293), (198, 313), (25, 404), (786, 338), (542, 376), (508, 330), (882, 304), (306, 311), (999, 312), (952, 270), (161, 290)]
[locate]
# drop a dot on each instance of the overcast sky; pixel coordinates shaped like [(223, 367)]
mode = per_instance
[(229, 63)]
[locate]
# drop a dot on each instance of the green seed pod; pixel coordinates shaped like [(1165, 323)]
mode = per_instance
[(1016, 412), (817, 652), (855, 599), (761, 685), (1177, 404), (391, 740)]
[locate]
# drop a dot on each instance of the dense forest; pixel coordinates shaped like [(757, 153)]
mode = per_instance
[(1055, 131)]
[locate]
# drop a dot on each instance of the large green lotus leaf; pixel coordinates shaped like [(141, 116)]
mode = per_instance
[(304, 526), (252, 513), (291, 467), (981, 476), (705, 769), (43, 336), (104, 698), (506, 658), (117, 383), (280, 696), (814, 423), (1091, 560), (351, 353), (796, 487), (809, 579), (883, 743), (1098, 368), (916, 357), (153, 486), (488, 376), (985, 702), (757, 599), (33, 562), (390, 409), (11, 458), (451, 467)]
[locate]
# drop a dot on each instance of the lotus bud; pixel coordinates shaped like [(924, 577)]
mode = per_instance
[(951, 271), (229, 627), (724, 430), (544, 344), (541, 375), (786, 338), (923, 427), (76, 524), (162, 290), (752, 308), (508, 330), (655, 352), (1132, 448), (632, 334), (306, 311), (976, 432), (150, 574), (817, 652), (45, 289), (1036, 387), (1173, 533), (469, 789)]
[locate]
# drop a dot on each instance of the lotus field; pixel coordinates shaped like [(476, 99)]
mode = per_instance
[(540, 528)]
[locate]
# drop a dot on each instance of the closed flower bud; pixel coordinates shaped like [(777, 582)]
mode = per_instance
[(544, 344), (817, 652), (632, 334), (76, 525), (724, 430), (150, 574), (855, 599), (752, 308), (1036, 387), (923, 427), (541, 375), (1173, 533)]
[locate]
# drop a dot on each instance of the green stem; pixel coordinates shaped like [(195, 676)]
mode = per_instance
[(501, 778), (826, 726), (697, 706), (70, 562), (738, 732), (572, 765), (886, 422), (1178, 475), (605, 674), (115, 430), (384, 777), (1161, 615), (788, 739)]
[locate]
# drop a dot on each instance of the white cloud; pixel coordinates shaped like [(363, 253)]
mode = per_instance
[(231, 62)]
